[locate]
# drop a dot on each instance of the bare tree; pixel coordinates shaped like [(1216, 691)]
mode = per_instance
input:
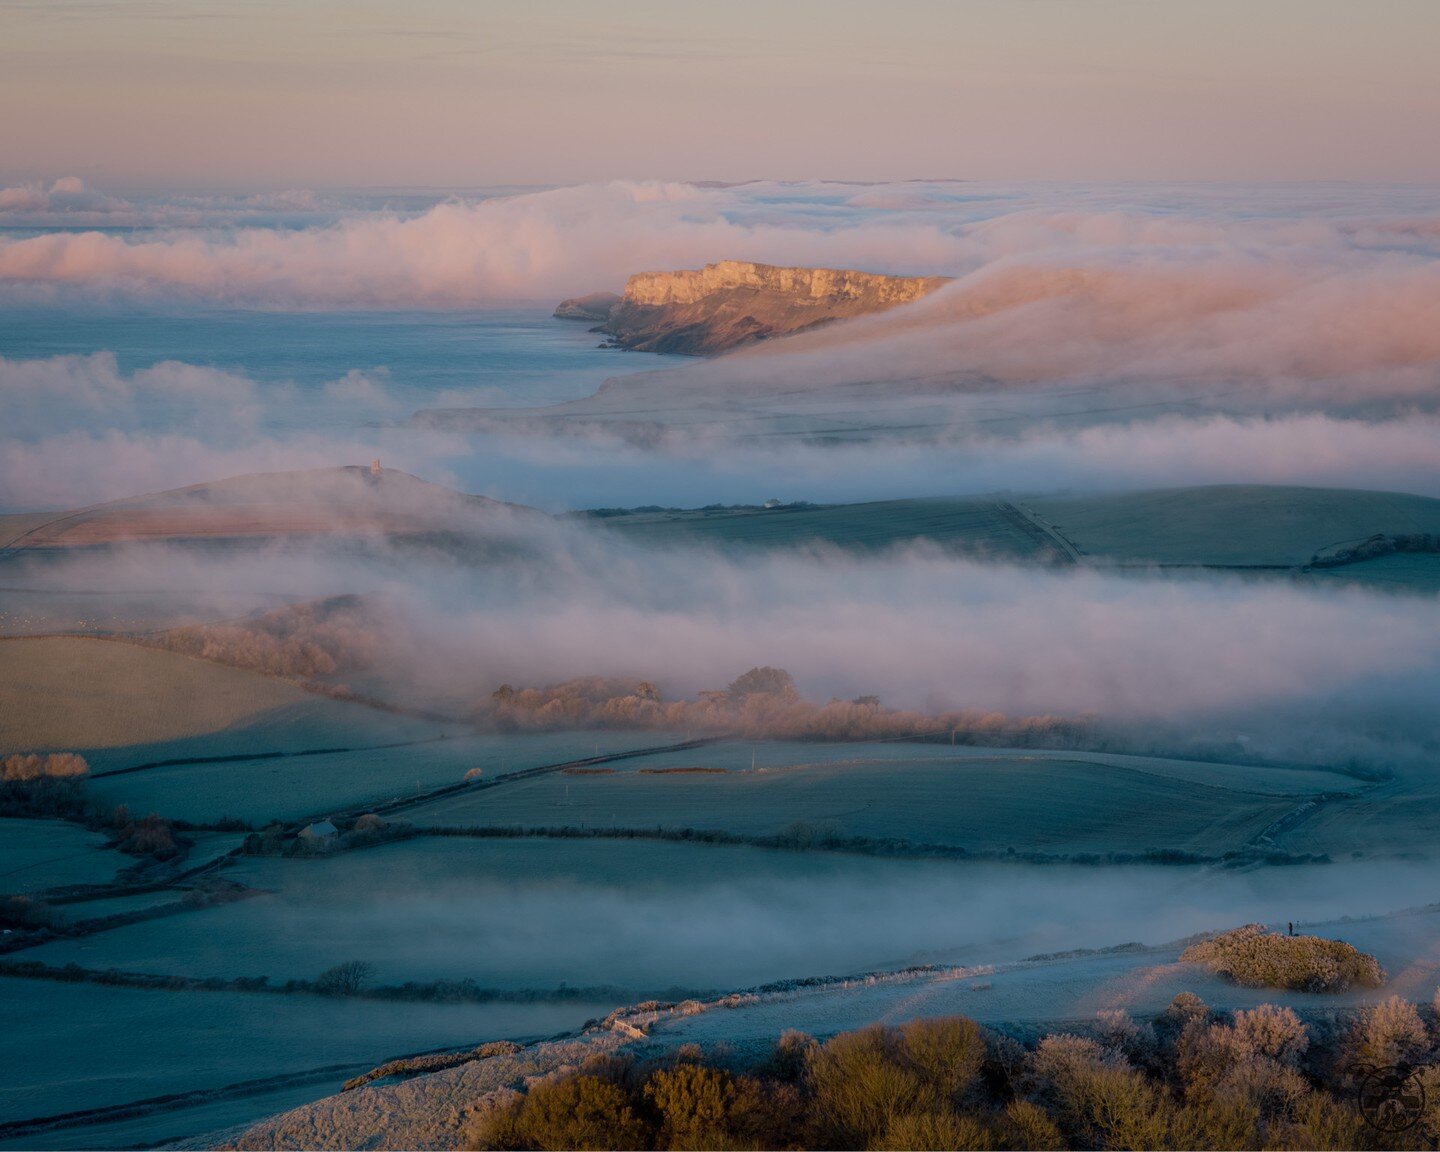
[(345, 979)]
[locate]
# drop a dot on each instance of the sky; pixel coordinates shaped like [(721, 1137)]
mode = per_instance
[(146, 95)]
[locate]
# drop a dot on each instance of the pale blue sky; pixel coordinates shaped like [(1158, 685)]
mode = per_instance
[(205, 93)]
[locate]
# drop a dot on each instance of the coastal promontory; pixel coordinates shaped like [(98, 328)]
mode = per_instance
[(728, 305)]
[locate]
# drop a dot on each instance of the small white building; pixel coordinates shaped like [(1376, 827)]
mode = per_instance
[(320, 831)]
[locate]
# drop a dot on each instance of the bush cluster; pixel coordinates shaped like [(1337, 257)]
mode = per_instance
[(763, 702), (151, 835), (26, 914), (37, 766), (306, 641), (1256, 958), (1188, 1079)]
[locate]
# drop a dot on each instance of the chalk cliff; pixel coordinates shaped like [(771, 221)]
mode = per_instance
[(734, 303)]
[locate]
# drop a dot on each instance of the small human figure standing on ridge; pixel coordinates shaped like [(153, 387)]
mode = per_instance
[(1292, 927)]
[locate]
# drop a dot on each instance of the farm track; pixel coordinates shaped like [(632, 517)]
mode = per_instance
[(1271, 835), (1031, 524)]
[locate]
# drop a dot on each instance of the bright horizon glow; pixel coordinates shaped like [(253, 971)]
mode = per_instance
[(155, 94)]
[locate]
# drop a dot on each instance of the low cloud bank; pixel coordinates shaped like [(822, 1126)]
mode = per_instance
[(80, 430), (1223, 667)]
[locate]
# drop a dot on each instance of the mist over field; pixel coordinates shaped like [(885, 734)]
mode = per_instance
[(1101, 337), (1327, 675), (809, 575), (172, 424)]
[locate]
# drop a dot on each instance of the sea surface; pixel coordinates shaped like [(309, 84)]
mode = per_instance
[(515, 356)]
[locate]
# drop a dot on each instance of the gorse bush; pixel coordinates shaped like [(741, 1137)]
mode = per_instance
[(1384, 1035), (860, 1084), (1259, 959), (1190, 1079), (694, 1104)]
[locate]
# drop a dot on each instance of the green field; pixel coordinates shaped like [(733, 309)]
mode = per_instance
[(1230, 524), (978, 526), (1222, 526)]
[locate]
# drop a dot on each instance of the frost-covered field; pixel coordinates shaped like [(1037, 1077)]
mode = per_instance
[(40, 854), (946, 518), (1232, 524), (1032, 801), (80, 1046), (423, 757), (649, 917)]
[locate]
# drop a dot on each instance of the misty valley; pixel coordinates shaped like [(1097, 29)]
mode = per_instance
[(418, 694)]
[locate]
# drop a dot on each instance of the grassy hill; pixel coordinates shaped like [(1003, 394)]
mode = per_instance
[(1231, 524), (346, 501), (1222, 526)]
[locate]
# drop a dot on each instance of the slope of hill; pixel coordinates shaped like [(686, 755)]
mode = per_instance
[(1222, 526), (1230, 524), (346, 501)]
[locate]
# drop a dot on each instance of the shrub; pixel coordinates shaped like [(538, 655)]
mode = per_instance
[(1273, 1032), (1028, 1127), (150, 836), (1255, 958), (1386, 1034), (581, 1112), (1100, 1100), (1248, 1065), (766, 1114), (934, 1132), (33, 766), (1223, 1123), (946, 1053), (1118, 1032), (494, 1122), (1322, 1124), (859, 1085), (25, 914), (693, 1102)]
